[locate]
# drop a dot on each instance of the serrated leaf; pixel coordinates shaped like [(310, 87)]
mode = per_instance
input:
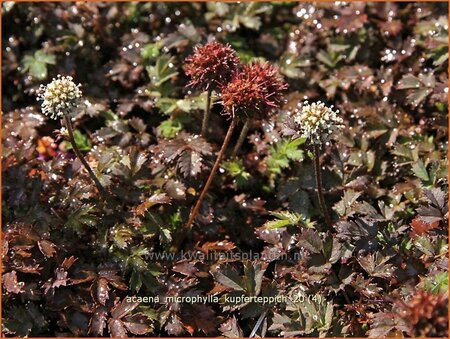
[(229, 277), (310, 240), (83, 216), (169, 128), (274, 224), (418, 87), (122, 236), (375, 264), (286, 218), (344, 206), (253, 275), (438, 283), (190, 163), (283, 152)]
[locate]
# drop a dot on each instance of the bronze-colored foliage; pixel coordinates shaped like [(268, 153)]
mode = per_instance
[(79, 264)]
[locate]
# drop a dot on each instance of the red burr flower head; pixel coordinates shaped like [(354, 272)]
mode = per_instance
[(254, 92), (211, 65)]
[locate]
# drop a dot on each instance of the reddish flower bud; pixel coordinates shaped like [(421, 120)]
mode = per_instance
[(210, 65), (254, 92)]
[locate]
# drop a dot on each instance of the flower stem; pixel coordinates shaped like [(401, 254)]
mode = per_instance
[(211, 175), (180, 238), (317, 171), (80, 156), (241, 139), (207, 113), (323, 206)]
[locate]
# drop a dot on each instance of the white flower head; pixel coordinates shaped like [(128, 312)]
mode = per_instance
[(317, 122), (59, 97)]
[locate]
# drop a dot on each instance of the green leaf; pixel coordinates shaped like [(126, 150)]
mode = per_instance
[(247, 57), (274, 224), (169, 128), (150, 51), (162, 71), (191, 103), (286, 218), (439, 55), (329, 59), (236, 169), (437, 283), (135, 281), (43, 57), (36, 65), (405, 152), (83, 216), (408, 81), (135, 260), (253, 275), (326, 318), (336, 48), (246, 14), (109, 115), (166, 105), (290, 66), (82, 141), (283, 153), (420, 170)]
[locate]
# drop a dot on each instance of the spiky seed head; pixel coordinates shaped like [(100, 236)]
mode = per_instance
[(268, 77), (254, 92), (211, 65)]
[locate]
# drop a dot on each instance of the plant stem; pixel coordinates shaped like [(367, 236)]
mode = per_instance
[(80, 156), (211, 175), (180, 238), (323, 206), (241, 139), (317, 171), (207, 113)]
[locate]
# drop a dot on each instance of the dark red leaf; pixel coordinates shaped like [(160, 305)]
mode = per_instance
[(11, 284), (137, 324), (185, 267), (161, 198), (47, 248), (116, 328), (420, 226), (98, 321), (123, 308), (68, 262), (101, 291), (223, 245)]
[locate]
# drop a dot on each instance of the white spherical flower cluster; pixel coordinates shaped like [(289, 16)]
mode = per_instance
[(317, 121), (59, 97)]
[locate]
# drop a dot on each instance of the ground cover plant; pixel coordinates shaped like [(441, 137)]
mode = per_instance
[(225, 169)]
